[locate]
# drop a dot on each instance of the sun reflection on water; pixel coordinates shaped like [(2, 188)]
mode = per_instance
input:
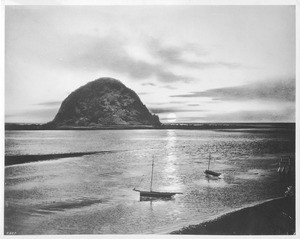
[(170, 170)]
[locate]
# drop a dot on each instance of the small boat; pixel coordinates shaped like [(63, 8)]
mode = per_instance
[(155, 194), (210, 172)]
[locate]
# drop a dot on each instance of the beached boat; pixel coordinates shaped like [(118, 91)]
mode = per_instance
[(155, 194), (210, 172)]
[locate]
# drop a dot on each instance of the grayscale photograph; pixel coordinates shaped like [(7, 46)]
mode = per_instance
[(163, 119)]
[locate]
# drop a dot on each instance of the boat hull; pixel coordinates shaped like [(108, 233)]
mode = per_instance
[(156, 194), (212, 173)]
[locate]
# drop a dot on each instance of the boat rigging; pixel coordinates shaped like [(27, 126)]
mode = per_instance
[(155, 194), (210, 172)]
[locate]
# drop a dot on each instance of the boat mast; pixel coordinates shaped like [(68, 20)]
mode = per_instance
[(152, 174)]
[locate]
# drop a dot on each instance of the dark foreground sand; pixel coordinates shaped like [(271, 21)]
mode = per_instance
[(274, 217)]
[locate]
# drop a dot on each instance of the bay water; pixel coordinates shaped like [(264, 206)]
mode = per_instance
[(92, 194)]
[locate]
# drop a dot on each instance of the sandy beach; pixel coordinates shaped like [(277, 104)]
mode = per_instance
[(273, 217)]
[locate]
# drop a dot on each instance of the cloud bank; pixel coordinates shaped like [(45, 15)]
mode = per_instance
[(276, 90)]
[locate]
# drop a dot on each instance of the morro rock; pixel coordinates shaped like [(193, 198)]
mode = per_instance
[(103, 102)]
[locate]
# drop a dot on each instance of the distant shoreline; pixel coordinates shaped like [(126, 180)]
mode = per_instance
[(187, 126)]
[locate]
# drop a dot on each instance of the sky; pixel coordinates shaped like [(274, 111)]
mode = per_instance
[(187, 63)]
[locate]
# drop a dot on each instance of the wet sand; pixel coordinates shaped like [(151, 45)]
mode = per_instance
[(274, 217), (20, 159)]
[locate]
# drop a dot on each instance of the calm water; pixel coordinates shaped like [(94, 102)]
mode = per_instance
[(93, 194)]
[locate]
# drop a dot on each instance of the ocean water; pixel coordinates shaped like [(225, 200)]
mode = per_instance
[(92, 194)]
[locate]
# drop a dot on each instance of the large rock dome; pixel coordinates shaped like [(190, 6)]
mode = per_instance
[(103, 102)]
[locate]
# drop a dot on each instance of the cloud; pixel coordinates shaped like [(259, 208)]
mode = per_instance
[(143, 93), (156, 103), (193, 104), (109, 53), (50, 103), (276, 90), (175, 55), (177, 102), (46, 43), (285, 115), (170, 87), (93, 53), (32, 116), (149, 84), (171, 110)]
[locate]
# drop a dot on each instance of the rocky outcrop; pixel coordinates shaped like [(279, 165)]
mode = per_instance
[(103, 102)]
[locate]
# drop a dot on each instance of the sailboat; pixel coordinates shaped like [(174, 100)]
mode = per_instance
[(155, 194), (210, 172)]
